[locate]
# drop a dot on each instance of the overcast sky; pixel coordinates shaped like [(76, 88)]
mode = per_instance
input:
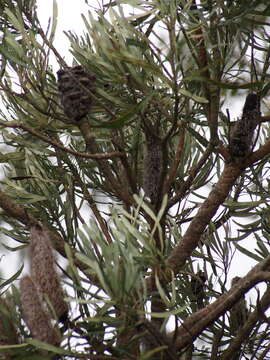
[(69, 18)]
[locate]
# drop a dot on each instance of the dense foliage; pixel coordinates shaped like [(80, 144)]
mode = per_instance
[(131, 171)]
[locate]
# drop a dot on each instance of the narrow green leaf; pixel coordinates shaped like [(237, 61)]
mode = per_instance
[(162, 292), (95, 266), (12, 278), (149, 354), (243, 204), (129, 114), (196, 98), (198, 136), (54, 21), (246, 252), (165, 315), (14, 44), (16, 248), (48, 347), (16, 20), (19, 346)]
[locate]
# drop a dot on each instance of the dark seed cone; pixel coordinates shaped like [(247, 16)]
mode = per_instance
[(197, 288), (238, 313), (75, 86), (34, 314), (242, 134), (44, 273), (153, 168)]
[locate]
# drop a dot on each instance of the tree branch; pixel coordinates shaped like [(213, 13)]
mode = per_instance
[(17, 125), (243, 334), (193, 173), (259, 154), (203, 217), (103, 165), (200, 320)]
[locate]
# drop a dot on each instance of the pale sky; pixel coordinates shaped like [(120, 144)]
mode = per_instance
[(69, 18)]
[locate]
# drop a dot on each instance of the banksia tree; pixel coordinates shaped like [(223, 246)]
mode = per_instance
[(128, 169)]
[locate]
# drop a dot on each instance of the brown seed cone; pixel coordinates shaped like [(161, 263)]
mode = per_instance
[(153, 168), (75, 86), (243, 131), (197, 288), (238, 313), (44, 273), (34, 314)]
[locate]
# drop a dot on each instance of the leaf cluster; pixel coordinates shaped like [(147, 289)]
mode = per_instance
[(164, 71)]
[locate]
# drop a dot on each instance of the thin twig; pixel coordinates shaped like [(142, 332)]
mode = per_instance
[(200, 320), (191, 177), (244, 332), (17, 125), (88, 197)]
